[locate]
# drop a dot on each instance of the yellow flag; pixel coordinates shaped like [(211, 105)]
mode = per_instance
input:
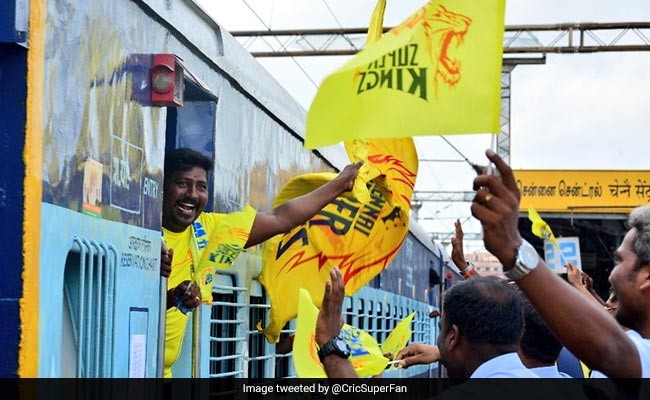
[(438, 72), (360, 233), (226, 242), (540, 228), (360, 238), (365, 354), (399, 337)]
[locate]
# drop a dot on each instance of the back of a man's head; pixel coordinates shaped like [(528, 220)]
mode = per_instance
[(184, 159), (486, 310), (538, 342)]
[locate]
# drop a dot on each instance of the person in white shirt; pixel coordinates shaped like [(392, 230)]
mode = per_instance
[(582, 326), (480, 329)]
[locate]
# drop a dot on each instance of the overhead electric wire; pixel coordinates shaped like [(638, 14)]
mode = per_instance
[(280, 43), (475, 167), (339, 24)]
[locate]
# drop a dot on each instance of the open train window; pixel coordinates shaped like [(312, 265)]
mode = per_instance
[(193, 125), (87, 314)]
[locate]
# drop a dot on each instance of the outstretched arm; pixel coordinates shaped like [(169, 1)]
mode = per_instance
[(297, 211), (417, 354), (458, 255), (586, 329)]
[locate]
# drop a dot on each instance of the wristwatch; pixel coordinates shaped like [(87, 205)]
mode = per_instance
[(335, 345), (526, 261)]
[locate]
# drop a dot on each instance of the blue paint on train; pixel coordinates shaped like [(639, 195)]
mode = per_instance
[(13, 86)]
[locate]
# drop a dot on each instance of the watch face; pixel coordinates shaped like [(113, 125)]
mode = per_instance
[(528, 256), (343, 346)]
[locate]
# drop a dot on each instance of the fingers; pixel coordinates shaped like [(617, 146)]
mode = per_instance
[(337, 288), (166, 262), (507, 176), (459, 229), (327, 295)]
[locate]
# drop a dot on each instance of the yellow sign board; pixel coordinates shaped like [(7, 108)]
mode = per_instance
[(583, 191)]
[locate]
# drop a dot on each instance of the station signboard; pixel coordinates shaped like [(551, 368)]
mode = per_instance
[(583, 191)]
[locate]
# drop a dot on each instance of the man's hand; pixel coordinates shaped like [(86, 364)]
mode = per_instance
[(166, 257), (574, 275), (347, 176), (496, 205), (457, 254), (417, 354), (329, 323), (190, 298)]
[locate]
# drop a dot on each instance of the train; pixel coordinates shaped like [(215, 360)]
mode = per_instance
[(94, 94)]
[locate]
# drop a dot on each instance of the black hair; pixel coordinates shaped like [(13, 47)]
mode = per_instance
[(184, 159), (486, 310), (538, 341)]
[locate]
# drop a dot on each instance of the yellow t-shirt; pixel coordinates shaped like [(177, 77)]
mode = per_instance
[(212, 233)]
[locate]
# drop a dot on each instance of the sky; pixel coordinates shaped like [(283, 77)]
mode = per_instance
[(577, 111)]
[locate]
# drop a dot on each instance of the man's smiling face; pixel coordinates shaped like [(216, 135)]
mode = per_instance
[(185, 196)]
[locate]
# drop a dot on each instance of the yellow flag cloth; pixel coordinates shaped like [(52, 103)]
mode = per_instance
[(399, 337), (227, 240), (361, 239), (365, 354), (540, 228), (436, 73)]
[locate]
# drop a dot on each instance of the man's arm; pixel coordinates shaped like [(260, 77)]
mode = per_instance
[(299, 210), (328, 325), (586, 329), (458, 255), (417, 354)]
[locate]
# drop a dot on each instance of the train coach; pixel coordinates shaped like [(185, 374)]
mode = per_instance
[(93, 94)]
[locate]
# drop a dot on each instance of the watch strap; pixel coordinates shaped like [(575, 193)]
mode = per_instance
[(331, 347), (516, 272)]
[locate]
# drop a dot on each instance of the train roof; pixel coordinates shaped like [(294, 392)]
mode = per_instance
[(243, 70)]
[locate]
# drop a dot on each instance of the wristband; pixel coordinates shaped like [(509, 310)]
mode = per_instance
[(467, 272), (179, 304)]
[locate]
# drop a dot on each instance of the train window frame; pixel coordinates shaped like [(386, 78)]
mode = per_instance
[(227, 328), (258, 354)]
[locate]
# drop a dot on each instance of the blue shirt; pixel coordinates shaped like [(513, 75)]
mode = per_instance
[(504, 366), (549, 372)]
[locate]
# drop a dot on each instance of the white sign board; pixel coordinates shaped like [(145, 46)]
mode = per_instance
[(137, 356), (569, 251)]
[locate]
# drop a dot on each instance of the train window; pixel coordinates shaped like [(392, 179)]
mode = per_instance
[(258, 311), (283, 364), (193, 126), (361, 312), (227, 327), (379, 323), (88, 285), (348, 311), (371, 321)]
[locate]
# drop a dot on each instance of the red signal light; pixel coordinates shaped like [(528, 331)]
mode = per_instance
[(166, 81)]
